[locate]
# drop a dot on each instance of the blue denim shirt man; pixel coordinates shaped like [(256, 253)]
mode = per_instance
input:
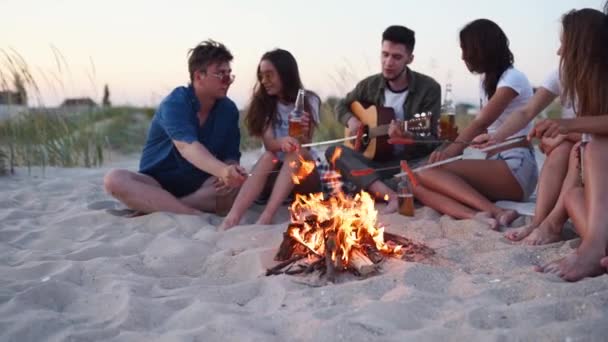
[(190, 160)]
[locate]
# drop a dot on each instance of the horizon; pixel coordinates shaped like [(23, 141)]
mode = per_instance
[(73, 49)]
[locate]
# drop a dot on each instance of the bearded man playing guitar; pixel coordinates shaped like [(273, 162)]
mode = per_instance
[(407, 93)]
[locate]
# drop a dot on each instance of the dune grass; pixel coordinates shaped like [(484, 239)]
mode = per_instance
[(51, 138)]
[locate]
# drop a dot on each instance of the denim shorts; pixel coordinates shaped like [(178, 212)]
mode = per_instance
[(522, 163)]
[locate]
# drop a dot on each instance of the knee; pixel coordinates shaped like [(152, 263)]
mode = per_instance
[(114, 180)]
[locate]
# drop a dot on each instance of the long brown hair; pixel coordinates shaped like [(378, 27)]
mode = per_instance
[(584, 61), (485, 48), (262, 108)]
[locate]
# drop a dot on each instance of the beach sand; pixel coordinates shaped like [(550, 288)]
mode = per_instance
[(70, 271)]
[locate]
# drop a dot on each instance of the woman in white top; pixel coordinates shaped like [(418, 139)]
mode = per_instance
[(550, 213), (466, 189), (273, 99), (584, 67)]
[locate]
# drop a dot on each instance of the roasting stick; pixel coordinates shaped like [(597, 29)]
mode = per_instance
[(365, 172), (449, 160), (331, 142)]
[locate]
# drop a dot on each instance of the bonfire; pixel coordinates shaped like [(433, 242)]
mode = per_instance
[(337, 233)]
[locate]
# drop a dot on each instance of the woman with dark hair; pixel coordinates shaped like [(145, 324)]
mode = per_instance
[(584, 66), (465, 189), (274, 95)]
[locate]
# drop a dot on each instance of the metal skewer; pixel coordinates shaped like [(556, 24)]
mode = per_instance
[(449, 160)]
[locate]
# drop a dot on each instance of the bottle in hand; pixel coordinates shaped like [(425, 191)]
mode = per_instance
[(296, 128)]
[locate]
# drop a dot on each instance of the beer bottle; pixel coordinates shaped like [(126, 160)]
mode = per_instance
[(406, 197), (295, 117), (447, 120)]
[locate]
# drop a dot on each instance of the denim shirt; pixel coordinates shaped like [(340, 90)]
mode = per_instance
[(176, 119)]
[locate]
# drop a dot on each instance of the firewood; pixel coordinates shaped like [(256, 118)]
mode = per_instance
[(286, 249), (277, 269), (361, 263), (400, 240), (373, 254), (330, 247)]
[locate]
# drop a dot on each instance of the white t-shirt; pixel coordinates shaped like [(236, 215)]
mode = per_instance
[(516, 80), (281, 127), (553, 84), (396, 101)]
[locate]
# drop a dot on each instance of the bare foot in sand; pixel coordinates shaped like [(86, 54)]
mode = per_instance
[(546, 233), (505, 217), (391, 206), (582, 263), (521, 232), (486, 218), (229, 222)]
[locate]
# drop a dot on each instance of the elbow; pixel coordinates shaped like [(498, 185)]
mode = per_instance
[(184, 148)]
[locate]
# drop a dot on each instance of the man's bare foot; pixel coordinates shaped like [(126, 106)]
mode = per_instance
[(505, 217), (582, 263), (521, 232), (391, 206), (486, 218), (229, 222), (545, 234)]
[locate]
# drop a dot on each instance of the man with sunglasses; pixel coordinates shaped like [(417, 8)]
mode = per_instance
[(190, 161)]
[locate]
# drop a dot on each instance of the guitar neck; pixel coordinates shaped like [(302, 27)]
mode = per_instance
[(381, 130)]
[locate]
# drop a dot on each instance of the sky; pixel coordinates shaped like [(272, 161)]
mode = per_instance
[(139, 48)]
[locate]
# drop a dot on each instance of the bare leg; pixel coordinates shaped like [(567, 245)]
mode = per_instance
[(550, 228), (449, 206), (250, 190), (381, 191), (551, 178), (143, 193), (585, 261), (283, 186), (206, 196), (472, 182)]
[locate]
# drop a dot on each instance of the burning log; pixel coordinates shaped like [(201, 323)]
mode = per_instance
[(337, 234), (287, 247), (330, 252), (411, 251), (361, 263)]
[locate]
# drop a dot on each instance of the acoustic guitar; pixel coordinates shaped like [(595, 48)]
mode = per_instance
[(374, 130)]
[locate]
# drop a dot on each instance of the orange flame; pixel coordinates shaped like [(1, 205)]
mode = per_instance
[(337, 153), (304, 170), (353, 220)]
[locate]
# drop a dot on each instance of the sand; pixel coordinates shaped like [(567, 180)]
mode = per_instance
[(70, 271)]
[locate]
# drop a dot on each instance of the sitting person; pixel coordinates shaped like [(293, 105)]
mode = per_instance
[(191, 155), (584, 66), (466, 189), (273, 99), (405, 91), (550, 213)]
